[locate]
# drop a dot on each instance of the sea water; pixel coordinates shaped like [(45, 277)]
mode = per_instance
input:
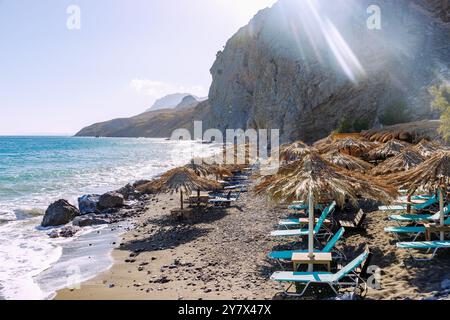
[(34, 171)]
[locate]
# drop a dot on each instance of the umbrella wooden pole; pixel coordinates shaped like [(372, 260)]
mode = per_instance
[(181, 199), (408, 206), (441, 208), (311, 231)]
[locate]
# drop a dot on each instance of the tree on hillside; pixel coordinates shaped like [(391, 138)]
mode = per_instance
[(441, 102)]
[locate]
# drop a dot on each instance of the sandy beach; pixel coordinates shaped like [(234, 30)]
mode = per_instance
[(223, 256)]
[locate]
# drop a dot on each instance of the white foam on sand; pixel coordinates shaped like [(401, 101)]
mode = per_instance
[(24, 253), (34, 266)]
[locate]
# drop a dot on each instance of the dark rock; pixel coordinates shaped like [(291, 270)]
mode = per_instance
[(140, 183), (68, 232), (89, 220), (110, 200), (88, 203), (59, 213)]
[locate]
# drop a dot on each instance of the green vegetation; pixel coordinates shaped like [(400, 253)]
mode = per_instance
[(441, 102), (395, 114), (350, 125)]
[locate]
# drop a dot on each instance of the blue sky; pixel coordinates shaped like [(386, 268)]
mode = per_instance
[(126, 54)]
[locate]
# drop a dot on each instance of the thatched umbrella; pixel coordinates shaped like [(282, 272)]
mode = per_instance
[(347, 161), (183, 180), (390, 149), (432, 174), (426, 148), (313, 178), (406, 160), (351, 146), (201, 168), (294, 151)]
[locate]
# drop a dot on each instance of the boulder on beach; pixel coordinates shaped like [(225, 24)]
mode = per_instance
[(66, 232), (89, 220), (59, 213), (110, 200), (88, 203)]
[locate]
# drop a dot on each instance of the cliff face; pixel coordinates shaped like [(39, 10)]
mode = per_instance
[(305, 69)]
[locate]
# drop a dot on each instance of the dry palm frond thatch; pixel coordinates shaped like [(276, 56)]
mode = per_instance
[(429, 175), (202, 168), (387, 150), (183, 180), (325, 181), (426, 148), (347, 161), (406, 160), (294, 151), (351, 146)]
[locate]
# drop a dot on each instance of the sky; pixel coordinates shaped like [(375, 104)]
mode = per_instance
[(59, 73)]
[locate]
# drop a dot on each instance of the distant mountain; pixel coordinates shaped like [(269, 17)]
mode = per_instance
[(151, 124), (171, 101), (188, 102)]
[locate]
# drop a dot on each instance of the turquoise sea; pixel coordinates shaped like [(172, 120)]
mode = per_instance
[(34, 171)]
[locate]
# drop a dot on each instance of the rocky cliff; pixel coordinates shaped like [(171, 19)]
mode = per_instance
[(305, 67), (309, 67)]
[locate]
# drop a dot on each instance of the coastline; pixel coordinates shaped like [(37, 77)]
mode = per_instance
[(223, 256), (27, 250)]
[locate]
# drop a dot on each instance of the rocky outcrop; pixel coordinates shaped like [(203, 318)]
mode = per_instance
[(110, 200), (88, 203), (306, 69), (59, 213)]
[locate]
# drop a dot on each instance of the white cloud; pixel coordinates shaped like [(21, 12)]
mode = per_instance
[(158, 89)]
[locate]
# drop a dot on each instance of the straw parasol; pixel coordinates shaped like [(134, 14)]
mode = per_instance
[(390, 149), (294, 151), (313, 178), (183, 180), (347, 161), (432, 174), (201, 168), (351, 146), (406, 160), (426, 148)]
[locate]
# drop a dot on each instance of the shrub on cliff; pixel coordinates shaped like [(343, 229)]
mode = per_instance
[(395, 114), (441, 102)]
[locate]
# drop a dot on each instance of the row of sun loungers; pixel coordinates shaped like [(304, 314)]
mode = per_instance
[(428, 202), (417, 228), (348, 277)]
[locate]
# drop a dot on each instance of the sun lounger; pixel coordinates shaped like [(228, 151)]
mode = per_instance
[(319, 230), (419, 217), (417, 207), (224, 201), (302, 206), (430, 246), (303, 221), (330, 247), (347, 277), (357, 223), (416, 231)]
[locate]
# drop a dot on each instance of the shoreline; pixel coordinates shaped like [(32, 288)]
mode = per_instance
[(223, 256)]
